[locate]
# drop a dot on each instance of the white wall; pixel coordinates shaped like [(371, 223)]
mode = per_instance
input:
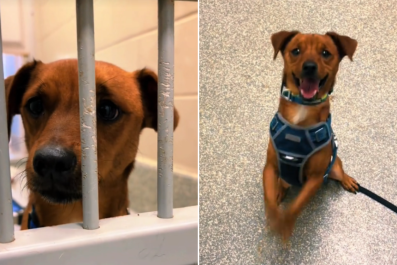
[(16, 26)]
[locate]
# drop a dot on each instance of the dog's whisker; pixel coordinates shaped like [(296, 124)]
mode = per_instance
[(25, 186), (21, 175), (21, 162)]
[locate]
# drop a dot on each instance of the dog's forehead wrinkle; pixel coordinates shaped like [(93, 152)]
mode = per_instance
[(310, 41), (108, 79)]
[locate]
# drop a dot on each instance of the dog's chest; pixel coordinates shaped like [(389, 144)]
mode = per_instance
[(300, 114)]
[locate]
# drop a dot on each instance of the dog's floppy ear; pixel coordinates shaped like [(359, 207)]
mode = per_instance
[(147, 81), (280, 41), (346, 45), (15, 87)]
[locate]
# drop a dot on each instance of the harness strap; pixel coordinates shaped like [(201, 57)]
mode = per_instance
[(33, 221), (333, 157)]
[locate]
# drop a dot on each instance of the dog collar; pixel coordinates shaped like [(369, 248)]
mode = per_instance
[(286, 93)]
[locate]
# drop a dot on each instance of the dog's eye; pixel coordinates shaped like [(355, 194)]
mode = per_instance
[(326, 54), (107, 110), (295, 52), (35, 106)]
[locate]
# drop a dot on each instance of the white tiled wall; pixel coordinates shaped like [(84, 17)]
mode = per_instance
[(126, 35)]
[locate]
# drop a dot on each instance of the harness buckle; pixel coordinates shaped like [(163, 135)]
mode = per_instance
[(274, 126), (319, 134), (335, 141)]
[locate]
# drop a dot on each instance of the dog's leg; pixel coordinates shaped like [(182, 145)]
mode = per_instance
[(270, 187), (270, 190), (270, 182), (337, 173), (282, 189), (286, 222)]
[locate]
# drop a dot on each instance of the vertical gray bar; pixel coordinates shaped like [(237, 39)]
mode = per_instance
[(6, 218), (87, 94), (165, 108)]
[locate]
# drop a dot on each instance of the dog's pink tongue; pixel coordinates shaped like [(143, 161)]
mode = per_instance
[(309, 88)]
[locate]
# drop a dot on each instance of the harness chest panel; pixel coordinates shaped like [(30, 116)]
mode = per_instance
[(294, 145)]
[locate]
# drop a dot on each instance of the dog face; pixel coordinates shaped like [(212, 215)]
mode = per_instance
[(311, 61), (46, 96)]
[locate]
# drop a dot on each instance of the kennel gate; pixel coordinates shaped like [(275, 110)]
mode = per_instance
[(171, 237)]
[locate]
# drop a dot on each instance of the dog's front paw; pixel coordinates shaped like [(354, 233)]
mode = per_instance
[(273, 214), (281, 222), (287, 225), (349, 184)]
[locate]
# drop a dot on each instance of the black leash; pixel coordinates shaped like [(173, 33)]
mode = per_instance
[(377, 198)]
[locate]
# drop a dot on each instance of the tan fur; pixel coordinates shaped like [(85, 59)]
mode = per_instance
[(300, 115)]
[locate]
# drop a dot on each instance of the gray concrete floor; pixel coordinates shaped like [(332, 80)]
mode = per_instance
[(142, 188), (239, 90)]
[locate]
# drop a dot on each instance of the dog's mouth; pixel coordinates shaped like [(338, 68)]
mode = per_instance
[(55, 193), (59, 197), (308, 86)]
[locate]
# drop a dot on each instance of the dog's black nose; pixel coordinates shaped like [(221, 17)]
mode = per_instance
[(309, 68), (54, 162)]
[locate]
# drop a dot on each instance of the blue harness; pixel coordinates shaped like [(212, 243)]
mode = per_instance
[(18, 210), (33, 221), (294, 145)]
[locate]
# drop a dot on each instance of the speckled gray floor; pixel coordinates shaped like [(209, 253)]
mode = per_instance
[(239, 86)]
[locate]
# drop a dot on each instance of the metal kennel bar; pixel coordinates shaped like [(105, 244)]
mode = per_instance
[(87, 95), (6, 217), (165, 108)]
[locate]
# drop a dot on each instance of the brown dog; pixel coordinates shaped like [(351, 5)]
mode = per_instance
[(46, 96), (302, 147)]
